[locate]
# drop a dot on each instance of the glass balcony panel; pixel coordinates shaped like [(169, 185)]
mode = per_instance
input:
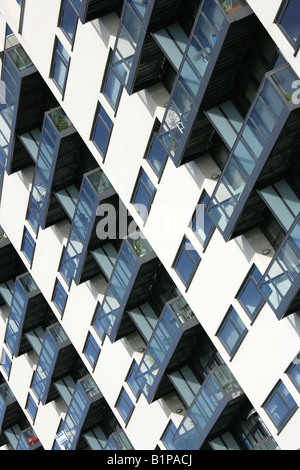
[(290, 260), (190, 79), (253, 139), (285, 79), (272, 99), (123, 58), (99, 181), (206, 36), (243, 159), (131, 25), (20, 57), (213, 14), (294, 238), (263, 119)]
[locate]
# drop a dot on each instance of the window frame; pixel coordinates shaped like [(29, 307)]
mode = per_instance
[(91, 342), (125, 396), (138, 184), (61, 15), (282, 10), (212, 228), (195, 263), (59, 287), (291, 409), (108, 70), (34, 406), (27, 236), (57, 54), (131, 378), (293, 366), (241, 333), (103, 123), (250, 278)]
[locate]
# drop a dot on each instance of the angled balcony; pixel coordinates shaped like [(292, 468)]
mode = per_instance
[(280, 284), (11, 266), (207, 70), (118, 441), (10, 411), (87, 408), (213, 408), (60, 157), (267, 141), (79, 262), (128, 286), (28, 310), (145, 45), (171, 343), (56, 360), (90, 10), (25, 96), (28, 440)]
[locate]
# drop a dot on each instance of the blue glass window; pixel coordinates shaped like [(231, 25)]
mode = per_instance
[(59, 296), (202, 224), (60, 66), (6, 362), (143, 195), (186, 261), (28, 245), (91, 350), (280, 405), (294, 373), (125, 405), (232, 331), (249, 295), (167, 437), (289, 21), (102, 130), (68, 20), (112, 87), (131, 379), (156, 156), (31, 406)]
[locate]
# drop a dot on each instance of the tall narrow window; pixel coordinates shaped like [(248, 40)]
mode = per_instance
[(202, 224), (60, 66), (68, 20), (232, 332), (28, 245), (125, 405), (280, 405), (102, 130), (294, 372), (289, 21), (112, 87), (249, 295), (59, 297), (91, 350), (186, 261), (143, 195), (156, 156)]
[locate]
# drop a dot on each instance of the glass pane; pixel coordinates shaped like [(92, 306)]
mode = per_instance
[(291, 19)]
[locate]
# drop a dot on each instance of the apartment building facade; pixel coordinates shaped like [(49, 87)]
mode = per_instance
[(149, 213)]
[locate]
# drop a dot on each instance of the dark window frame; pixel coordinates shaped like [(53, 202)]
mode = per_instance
[(194, 262), (53, 64), (30, 239), (94, 127), (107, 72), (282, 9), (212, 228), (241, 333), (61, 14), (125, 396), (90, 340), (291, 409), (140, 182), (249, 278), (58, 286)]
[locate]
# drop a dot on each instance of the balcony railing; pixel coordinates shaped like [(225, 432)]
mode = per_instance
[(134, 257), (177, 321), (218, 390), (251, 155), (205, 45), (95, 189)]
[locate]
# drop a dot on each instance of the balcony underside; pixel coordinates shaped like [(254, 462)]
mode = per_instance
[(280, 164)]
